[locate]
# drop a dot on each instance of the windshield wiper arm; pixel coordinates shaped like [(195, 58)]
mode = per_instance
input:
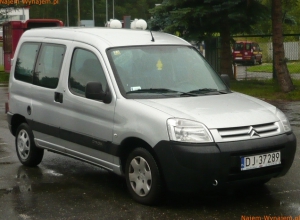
[(160, 91), (207, 90)]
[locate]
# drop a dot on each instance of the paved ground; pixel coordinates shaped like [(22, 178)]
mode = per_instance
[(62, 188)]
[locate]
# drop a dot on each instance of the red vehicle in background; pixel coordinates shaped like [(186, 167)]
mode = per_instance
[(12, 31), (246, 52)]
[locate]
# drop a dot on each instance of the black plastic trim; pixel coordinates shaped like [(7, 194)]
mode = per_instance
[(84, 140), (194, 167)]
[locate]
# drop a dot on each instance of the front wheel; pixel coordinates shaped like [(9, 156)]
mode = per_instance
[(143, 177), (28, 153)]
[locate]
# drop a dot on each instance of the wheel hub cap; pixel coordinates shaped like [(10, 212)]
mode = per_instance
[(140, 176), (23, 144)]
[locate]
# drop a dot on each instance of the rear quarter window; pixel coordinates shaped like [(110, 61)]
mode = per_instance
[(25, 61), (49, 64), (238, 46)]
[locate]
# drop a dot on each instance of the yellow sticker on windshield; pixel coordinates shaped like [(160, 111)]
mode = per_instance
[(159, 65), (116, 52)]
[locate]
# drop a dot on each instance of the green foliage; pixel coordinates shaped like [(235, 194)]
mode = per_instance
[(266, 89), (290, 19), (4, 77), (196, 19)]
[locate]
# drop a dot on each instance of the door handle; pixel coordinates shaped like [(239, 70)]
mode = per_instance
[(58, 97)]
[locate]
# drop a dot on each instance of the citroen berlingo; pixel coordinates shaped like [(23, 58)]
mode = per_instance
[(144, 105)]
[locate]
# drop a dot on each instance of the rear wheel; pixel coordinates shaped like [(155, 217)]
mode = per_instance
[(28, 153), (143, 177)]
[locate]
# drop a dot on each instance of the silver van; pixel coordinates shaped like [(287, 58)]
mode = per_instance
[(144, 105)]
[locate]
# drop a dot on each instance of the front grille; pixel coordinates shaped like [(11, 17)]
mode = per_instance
[(248, 132)]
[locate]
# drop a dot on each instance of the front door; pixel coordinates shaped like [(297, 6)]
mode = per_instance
[(86, 126)]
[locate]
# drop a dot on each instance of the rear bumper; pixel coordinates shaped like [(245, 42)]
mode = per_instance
[(195, 167), (242, 59)]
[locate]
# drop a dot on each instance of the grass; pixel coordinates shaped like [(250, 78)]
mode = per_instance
[(293, 66), (266, 89), (4, 77)]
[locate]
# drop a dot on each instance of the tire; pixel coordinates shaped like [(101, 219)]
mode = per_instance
[(28, 153), (260, 61), (143, 177)]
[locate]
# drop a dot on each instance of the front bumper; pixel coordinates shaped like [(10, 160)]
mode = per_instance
[(195, 167)]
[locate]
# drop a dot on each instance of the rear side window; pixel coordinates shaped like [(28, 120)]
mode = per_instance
[(49, 65), (25, 61), (238, 46), (248, 46)]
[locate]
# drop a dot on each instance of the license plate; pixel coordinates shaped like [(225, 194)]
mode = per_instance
[(260, 160)]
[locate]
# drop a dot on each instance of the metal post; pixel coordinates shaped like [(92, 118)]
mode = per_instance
[(23, 15), (78, 12), (68, 13), (93, 8), (234, 71), (113, 9), (106, 14)]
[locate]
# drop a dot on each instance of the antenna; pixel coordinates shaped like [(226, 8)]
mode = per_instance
[(152, 36)]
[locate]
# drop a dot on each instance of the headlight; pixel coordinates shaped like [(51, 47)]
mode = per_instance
[(183, 130), (284, 121)]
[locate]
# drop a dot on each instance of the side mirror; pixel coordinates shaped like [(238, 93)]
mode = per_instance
[(93, 90), (226, 79)]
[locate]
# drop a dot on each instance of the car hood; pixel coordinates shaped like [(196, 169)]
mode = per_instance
[(217, 111)]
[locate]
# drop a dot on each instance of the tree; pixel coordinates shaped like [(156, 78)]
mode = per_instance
[(201, 19), (282, 72), (290, 19)]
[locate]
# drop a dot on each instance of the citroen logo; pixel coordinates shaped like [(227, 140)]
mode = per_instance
[(252, 132)]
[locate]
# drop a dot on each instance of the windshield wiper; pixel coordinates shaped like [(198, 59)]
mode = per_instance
[(208, 90), (160, 91)]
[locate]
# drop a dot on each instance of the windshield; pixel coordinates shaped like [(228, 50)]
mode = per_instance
[(162, 71), (238, 46)]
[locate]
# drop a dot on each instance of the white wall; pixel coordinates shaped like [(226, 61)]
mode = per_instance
[(291, 50), (16, 14)]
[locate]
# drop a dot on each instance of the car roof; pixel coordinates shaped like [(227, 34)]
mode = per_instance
[(109, 36)]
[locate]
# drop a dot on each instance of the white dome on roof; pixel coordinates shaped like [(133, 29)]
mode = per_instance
[(141, 24), (115, 24)]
